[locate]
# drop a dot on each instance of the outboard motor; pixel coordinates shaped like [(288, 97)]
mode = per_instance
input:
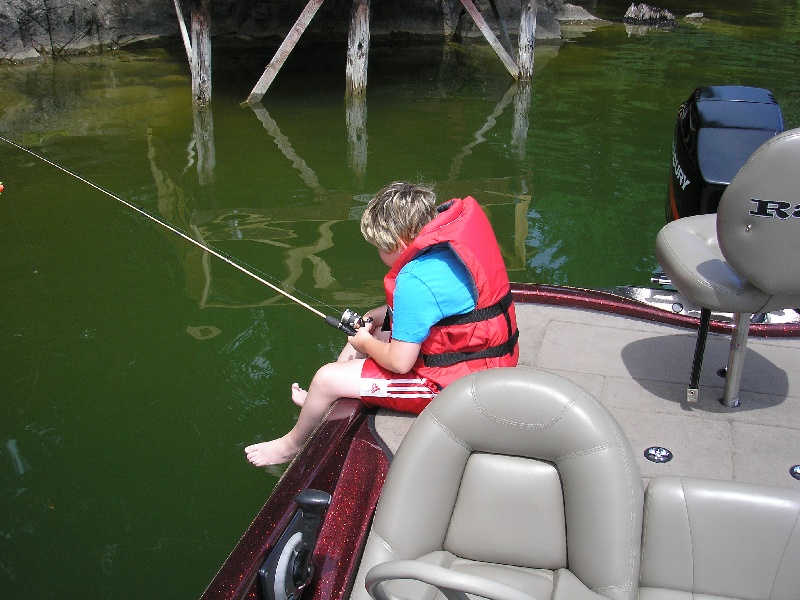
[(717, 130)]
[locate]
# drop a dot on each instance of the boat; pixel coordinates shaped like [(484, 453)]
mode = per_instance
[(633, 356), (609, 368)]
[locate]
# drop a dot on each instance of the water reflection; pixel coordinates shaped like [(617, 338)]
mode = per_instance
[(522, 105), (303, 256), (357, 137), (18, 462), (306, 173), (491, 121), (234, 224), (202, 144)]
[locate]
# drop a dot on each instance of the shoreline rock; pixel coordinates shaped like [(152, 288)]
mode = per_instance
[(35, 30), (642, 14)]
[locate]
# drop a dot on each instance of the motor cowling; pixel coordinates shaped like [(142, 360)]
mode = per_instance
[(716, 131)]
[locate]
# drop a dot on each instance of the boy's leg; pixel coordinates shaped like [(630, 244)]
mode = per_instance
[(348, 352), (332, 381)]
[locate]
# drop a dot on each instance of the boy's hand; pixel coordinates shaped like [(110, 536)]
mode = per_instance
[(363, 333), (394, 355)]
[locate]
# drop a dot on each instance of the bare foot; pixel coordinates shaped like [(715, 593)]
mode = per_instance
[(298, 394), (275, 452)]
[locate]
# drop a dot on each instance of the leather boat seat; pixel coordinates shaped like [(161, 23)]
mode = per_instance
[(515, 484), (719, 539), (744, 259)]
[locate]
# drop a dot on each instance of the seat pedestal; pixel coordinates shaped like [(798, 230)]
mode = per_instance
[(733, 377)]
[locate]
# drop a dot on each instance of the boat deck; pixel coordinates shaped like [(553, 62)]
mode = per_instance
[(639, 370)]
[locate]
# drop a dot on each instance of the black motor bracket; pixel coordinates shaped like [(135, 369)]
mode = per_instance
[(288, 569)]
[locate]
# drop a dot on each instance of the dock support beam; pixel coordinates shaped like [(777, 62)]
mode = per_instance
[(491, 38), (505, 39), (359, 38), (358, 48), (289, 42), (527, 39), (187, 44)]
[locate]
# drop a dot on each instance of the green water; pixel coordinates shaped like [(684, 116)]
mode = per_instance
[(135, 370)]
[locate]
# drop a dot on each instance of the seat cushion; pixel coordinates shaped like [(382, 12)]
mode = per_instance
[(689, 253), (509, 510), (719, 539)]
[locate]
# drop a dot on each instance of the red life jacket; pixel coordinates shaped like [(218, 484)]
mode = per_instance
[(485, 337)]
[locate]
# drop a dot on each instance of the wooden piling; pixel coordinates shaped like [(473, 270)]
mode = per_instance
[(289, 42), (358, 48), (201, 52), (527, 39)]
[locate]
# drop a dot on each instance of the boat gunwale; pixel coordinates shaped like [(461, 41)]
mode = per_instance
[(538, 293)]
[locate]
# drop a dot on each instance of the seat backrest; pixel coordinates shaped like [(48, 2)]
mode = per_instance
[(519, 467), (720, 538), (758, 220)]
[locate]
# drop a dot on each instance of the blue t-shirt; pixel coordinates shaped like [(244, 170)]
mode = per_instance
[(429, 288)]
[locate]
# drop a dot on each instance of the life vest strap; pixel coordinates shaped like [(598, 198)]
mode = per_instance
[(480, 314), (501, 307), (451, 358)]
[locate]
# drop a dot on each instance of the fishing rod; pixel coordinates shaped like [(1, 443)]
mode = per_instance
[(345, 323)]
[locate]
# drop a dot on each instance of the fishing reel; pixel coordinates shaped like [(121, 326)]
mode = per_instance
[(347, 322)]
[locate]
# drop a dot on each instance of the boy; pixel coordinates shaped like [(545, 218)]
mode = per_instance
[(449, 304)]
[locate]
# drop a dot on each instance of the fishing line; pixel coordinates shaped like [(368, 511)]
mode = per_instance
[(345, 323)]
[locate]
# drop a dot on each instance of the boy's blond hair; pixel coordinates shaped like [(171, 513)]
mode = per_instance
[(398, 212)]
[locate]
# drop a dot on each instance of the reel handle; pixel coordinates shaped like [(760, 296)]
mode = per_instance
[(347, 322)]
